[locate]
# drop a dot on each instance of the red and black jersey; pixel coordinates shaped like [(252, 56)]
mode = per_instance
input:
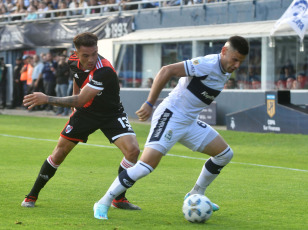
[(102, 77)]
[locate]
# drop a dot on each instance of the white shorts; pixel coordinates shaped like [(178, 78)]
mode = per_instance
[(168, 127)]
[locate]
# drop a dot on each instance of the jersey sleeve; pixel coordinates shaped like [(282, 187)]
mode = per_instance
[(196, 67), (101, 78)]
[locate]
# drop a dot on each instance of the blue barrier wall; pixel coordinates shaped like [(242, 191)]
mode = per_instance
[(229, 101)]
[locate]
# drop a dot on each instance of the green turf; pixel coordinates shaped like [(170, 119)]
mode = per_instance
[(251, 196)]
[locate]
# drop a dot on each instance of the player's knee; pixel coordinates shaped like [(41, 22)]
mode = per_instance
[(224, 157), (140, 170), (59, 154), (132, 152)]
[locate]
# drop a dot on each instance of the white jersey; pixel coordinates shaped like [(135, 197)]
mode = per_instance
[(205, 80)]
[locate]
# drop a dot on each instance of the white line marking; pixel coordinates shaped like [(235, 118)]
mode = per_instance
[(172, 155)]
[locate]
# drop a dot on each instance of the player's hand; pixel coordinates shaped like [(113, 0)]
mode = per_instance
[(32, 100), (144, 112)]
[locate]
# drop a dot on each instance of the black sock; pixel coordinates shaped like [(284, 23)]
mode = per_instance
[(122, 194), (45, 174)]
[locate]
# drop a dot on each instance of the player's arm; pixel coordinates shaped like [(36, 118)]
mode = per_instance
[(86, 94), (160, 80)]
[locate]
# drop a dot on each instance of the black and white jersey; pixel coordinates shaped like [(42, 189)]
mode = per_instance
[(205, 80), (103, 77)]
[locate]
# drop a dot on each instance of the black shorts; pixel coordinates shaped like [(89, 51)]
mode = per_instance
[(81, 125)]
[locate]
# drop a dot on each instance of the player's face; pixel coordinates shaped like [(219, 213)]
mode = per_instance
[(87, 56), (231, 59)]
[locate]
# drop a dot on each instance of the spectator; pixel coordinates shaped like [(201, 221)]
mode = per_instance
[(42, 9), (295, 85), (24, 75), (17, 86), (62, 76), (35, 3), (62, 6), (29, 73), (148, 4), (255, 84), (82, 4), (9, 5), (252, 76), (280, 85), (73, 5), (49, 8), (37, 86), (301, 79), (130, 7), (172, 3), (26, 3), (95, 10), (49, 79), (289, 83), (3, 81), (31, 13), (3, 9), (19, 9), (149, 82), (231, 84), (55, 4), (111, 8), (287, 71)]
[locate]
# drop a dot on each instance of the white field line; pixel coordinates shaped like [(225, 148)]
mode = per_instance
[(172, 155)]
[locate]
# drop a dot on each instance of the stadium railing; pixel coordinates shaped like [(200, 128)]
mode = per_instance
[(104, 10)]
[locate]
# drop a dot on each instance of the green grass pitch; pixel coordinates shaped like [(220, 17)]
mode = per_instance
[(264, 187)]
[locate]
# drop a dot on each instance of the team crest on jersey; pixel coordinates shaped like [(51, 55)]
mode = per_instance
[(76, 75), (68, 129), (168, 135)]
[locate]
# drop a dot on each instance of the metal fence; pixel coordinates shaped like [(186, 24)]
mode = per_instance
[(107, 9)]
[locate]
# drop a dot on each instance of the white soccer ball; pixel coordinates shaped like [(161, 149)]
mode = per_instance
[(197, 208)]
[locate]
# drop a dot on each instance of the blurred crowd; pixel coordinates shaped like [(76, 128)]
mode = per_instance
[(42, 73), (287, 79), (37, 8)]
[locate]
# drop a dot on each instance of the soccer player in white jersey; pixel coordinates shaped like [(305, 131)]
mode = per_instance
[(175, 119)]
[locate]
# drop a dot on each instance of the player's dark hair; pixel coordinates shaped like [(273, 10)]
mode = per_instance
[(86, 39), (240, 44)]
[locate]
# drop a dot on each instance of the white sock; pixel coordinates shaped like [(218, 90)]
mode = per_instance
[(211, 170), (134, 173), (114, 190), (204, 180)]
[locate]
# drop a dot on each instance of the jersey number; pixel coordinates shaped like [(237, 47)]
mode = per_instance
[(124, 122)]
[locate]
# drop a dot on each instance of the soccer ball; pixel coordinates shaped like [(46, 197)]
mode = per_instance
[(197, 208)]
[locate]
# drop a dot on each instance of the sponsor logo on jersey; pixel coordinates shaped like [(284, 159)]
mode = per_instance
[(76, 76), (68, 129), (196, 62), (207, 96), (161, 125), (96, 82)]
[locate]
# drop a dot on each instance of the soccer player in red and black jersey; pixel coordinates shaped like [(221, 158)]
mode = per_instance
[(97, 106)]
